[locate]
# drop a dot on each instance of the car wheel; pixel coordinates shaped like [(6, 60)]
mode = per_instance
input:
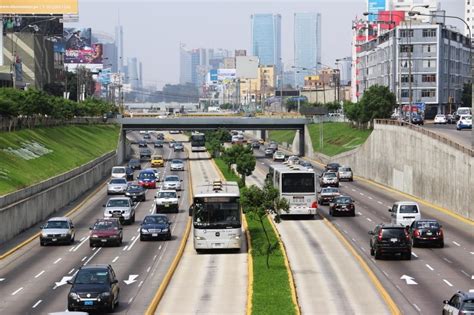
[(91, 244), (133, 218), (371, 252), (376, 254), (71, 240), (353, 214), (408, 256), (168, 237), (42, 243), (441, 244), (111, 308), (142, 238), (119, 243)]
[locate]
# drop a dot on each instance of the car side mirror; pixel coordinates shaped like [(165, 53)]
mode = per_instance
[(179, 197), (170, 222), (120, 228), (440, 226), (90, 227), (69, 281), (155, 197), (103, 205), (445, 302), (72, 226), (114, 281), (389, 209), (181, 180)]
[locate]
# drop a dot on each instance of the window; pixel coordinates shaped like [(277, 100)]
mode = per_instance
[(429, 63), (406, 33), (406, 48), (407, 78), (405, 93), (428, 78), (429, 48), (406, 63), (428, 93), (430, 32)]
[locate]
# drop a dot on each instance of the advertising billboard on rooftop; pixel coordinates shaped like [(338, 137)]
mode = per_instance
[(374, 6), (38, 7)]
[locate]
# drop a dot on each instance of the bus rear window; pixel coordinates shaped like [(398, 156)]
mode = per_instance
[(298, 183)]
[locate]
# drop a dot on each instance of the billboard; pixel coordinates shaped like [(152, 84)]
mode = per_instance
[(38, 7), (247, 67), (78, 48), (374, 6), (88, 55)]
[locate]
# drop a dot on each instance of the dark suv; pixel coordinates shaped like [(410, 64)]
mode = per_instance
[(390, 239), (95, 287)]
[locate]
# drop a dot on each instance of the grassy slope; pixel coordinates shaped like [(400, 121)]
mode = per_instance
[(72, 146), (281, 136)]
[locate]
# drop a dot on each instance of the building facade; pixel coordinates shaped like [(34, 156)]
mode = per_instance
[(469, 17), (259, 89), (266, 38), (307, 43)]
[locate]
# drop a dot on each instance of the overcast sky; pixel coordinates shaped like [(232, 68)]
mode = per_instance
[(153, 29)]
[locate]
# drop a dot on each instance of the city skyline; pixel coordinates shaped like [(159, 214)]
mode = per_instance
[(266, 38)]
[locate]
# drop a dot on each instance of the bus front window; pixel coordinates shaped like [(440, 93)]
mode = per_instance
[(217, 215)]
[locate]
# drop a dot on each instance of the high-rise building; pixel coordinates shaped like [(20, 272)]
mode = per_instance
[(469, 17), (133, 78), (185, 70), (119, 44), (307, 44), (240, 52), (266, 38)]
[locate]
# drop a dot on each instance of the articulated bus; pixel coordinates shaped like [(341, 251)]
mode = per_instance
[(216, 216), (198, 142), (297, 185)]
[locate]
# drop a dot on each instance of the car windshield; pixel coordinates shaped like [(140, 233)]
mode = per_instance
[(172, 179), (117, 181), (147, 175), (105, 225), (118, 170), (427, 225), (92, 276), (468, 305), (57, 225), (329, 190), (408, 209), (467, 117), (166, 194), (134, 187), (298, 183), (393, 233), (133, 162), (118, 203), (177, 162), (330, 175), (345, 169), (157, 157), (155, 220), (343, 200)]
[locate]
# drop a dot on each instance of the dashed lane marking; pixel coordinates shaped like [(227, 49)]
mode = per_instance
[(115, 259), (84, 258), (80, 244), (466, 274), (362, 194), (148, 269), (37, 303), (417, 308), (70, 271), (14, 293), (415, 255), (57, 260), (369, 219), (359, 213), (125, 248), (92, 256), (456, 243), (133, 243), (39, 274), (380, 202), (447, 282), (140, 284), (370, 198), (447, 260), (429, 267)]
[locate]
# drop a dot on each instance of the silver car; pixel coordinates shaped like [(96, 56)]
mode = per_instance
[(177, 165), (172, 182), (345, 173), (57, 230), (122, 208), (117, 186)]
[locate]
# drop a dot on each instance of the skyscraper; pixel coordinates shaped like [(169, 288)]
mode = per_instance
[(119, 44), (266, 38), (469, 17), (307, 45)]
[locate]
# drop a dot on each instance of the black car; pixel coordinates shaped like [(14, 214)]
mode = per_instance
[(134, 164), (158, 144), (142, 144), (178, 147), (255, 144), (155, 226), (390, 239), (128, 173), (94, 288), (145, 154), (417, 119), (136, 192), (146, 136), (428, 232), (332, 167), (342, 205), (160, 136), (460, 303)]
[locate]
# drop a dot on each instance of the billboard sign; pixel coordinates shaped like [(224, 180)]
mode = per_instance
[(247, 67), (225, 74), (213, 75), (39, 7), (89, 55), (78, 48), (374, 6)]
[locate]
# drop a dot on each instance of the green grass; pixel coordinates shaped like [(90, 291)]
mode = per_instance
[(271, 287), (338, 137), (71, 147), (281, 136)]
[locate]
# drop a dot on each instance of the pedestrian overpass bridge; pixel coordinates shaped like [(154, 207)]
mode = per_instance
[(216, 122)]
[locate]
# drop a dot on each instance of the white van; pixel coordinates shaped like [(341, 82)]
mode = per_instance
[(118, 172), (404, 212)]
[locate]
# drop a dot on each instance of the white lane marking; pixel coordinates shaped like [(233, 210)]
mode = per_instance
[(409, 280), (447, 282), (82, 238), (359, 213), (370, 198), (140, 284), (417, 308), (62, 282), (133, 237), (92, 256), (429, 267), (130, 301), (57, 260), (125, 248), (386, 274), (115, 259), (39, 275), (70, 271), (415, 255), (361, 194), (14, 293), (447, 260), (131, 279), (334, 223), (80, 244), (138, 230), (472, 253), (84, 258), (2, 279), (159, 248), (72, 248), (369, 219), (353, 239), (353, 189), (456, 243), (466, 274), (94, 248), (37, 303), (154, 257), (148, 269), (345, 231), (133, 243), (380, 202), (363, 249)]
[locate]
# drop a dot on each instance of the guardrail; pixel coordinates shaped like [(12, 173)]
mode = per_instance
[(428, 133)]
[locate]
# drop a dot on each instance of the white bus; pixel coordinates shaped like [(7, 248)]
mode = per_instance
[(198, 142), (216, 215), (297, 185)]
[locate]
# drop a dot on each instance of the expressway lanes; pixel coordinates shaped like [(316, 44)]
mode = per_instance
[(35, 277), (434, 274), (213, 282), (325, 272), (463, 137)]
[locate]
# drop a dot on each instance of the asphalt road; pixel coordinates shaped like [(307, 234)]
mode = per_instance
[(418, 286), (32, 280), (208, 283), (463, 137)]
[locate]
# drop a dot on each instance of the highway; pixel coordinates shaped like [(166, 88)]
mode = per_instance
[(213, 282), (33, 279), (463, 137), (418, 286)]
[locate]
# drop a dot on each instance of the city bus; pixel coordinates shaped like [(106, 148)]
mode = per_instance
[(198, 142), (216, 216), (297, 185)]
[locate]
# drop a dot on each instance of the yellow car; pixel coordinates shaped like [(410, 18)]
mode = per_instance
[(157, 161)]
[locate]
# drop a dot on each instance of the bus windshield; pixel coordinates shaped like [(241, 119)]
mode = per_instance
[(216, 214), (198, 139), (298, 183)]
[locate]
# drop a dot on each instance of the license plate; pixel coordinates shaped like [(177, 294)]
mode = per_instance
[(154, 234), (429, 233), (103, 241), (167, 205), (217, 245), (88, 302), (393, 240), (54, 239), (298, 199)]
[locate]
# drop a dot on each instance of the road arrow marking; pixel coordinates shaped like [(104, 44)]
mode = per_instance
[(131, 279), (2, 279), (408, 279), (63, 281)]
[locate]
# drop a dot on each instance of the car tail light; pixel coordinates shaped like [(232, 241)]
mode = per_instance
[(380, 235), (440, 232), (407, 235), (314, 205), (416, 233)]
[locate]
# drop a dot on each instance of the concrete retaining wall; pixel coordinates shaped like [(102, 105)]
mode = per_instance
[(25, 208)]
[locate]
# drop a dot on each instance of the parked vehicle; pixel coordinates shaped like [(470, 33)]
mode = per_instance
[(440, 119), (327, 194), (117, 186), (461, 303), (166, 201), (121, 208), (106, 231), (341, 205), (345, 173), (464, 122), (404, 213), (390, 239), (57, 230), (118, 172), (147, 179), (94, 288), (136, 192), (155, 226), (417, 119), (329, 179), (426, 232), (135, 164)]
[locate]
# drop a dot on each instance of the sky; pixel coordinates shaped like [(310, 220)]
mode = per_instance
[(154, 29)]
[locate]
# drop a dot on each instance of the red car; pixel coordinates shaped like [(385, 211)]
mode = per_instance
[(147, 179), (106, 231)]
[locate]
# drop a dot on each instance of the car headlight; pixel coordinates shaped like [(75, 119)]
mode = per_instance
[(199, 238), (105, 294), (164, 230), (64, 234), (144, 230), (73, 295), (44, 234), (94, 236)]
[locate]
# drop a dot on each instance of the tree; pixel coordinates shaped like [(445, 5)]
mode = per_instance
[(245, 165), (333, 106), (467, 95), (231, 154), (377, 102), (260, 203)]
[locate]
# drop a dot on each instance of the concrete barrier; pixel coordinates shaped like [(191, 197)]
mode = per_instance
[(25, 208)]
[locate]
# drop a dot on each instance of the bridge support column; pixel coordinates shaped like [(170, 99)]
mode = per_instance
[(263, 134), (302, 143), (123, 150)]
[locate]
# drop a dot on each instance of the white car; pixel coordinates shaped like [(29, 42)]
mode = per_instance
[(117, 186), (166, 201), (172, 182), (121, 208), (464, 122), (404, 213), (278, 156), (118, 172), (177, 165), (345, 172), (293, 160), (440, 119)]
